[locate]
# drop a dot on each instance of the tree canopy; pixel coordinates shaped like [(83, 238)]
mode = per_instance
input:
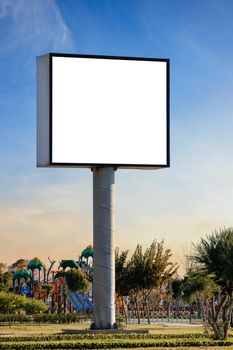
[(152, 268), (215, 254), (5, 278), (143, 272), (77, 280)]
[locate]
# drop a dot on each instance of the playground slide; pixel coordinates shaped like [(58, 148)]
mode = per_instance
[(80, 301), (88, 302)]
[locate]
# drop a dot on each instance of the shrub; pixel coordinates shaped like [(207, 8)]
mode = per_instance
[(111, 344), (76, 280), (42, 318), (12, 303), (33, 306)]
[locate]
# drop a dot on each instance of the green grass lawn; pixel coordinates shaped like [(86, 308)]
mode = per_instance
[(31, 329), (164, 329), (32, 337)]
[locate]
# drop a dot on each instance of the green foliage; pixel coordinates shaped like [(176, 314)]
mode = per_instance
[(121, 272), (77, 280), (200, 285), (5, 278), (177, 287), (95, 336), (107, 341), (215, 255), (32, 306), (58, 318), (196, 286), (42, 318), (144, 272), (150, 269), (12, 303)]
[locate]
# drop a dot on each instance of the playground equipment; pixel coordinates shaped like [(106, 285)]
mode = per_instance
[(25, 290), (80, 301), (52, 288), (87, 253), (72, 264), (86, 262), (52, 262), (119, 304), (36, 264), (21, 274), (20, 278)]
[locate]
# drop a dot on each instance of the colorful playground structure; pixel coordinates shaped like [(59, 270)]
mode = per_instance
[(32, 279)]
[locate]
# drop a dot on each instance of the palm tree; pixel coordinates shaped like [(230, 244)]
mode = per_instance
[(215, 256)]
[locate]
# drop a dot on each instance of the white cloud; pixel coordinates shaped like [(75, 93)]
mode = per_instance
[(34, 25)]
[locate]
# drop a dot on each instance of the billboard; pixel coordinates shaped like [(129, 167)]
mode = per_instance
[(102, 111)]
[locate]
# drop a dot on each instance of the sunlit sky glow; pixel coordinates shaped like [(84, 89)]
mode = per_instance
[(48, 212)]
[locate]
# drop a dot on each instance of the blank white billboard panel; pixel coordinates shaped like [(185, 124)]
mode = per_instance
[(103, 111)]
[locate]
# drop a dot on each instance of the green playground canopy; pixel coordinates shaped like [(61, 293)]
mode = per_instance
[(36, 264), (87, 252), (21, 274), (72, 264)]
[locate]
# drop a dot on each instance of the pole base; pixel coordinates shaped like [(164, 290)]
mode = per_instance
[(99, 327)]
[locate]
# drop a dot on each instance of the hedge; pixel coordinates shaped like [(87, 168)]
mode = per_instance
[(96, 336), (111, 344), (42, 318)]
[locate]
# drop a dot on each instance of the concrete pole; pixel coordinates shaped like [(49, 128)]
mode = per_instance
[(104, 248)]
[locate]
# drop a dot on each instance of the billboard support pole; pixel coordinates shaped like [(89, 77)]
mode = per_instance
[(104, 248)]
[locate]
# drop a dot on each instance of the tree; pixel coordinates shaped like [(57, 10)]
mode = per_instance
[(5, 278), (121, 273), (121, 277), (144, 272), (215, 256), (199, 286), (177, 289)]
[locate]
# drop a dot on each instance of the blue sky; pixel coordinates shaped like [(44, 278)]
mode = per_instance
[(49, 211)]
